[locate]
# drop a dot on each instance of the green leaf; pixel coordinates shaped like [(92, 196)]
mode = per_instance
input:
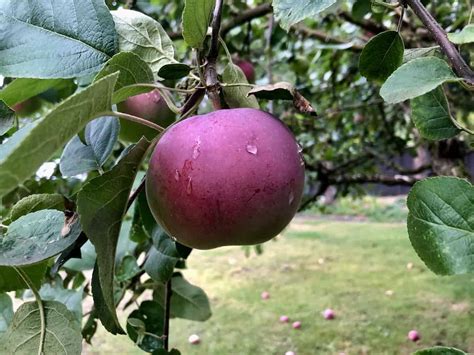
[(162, 257), (11, 281), (72, 299), (440, 350), (236, 96), (133, 70), (187, 301), (100, 136), (415, 78), (465, 36), (289, 12), (440, 224), (7, 118), (35, 203), (46, 39), (381, 56), (6, 312), (48, 134), (361, 8), (63, 331), (127, 268), (174, 71), (87, 260), (38, 236), (413, 53), (431, 115), (102, 205), (152, 315), (142, 35), (23, 89), (196, 19), (107, 316)]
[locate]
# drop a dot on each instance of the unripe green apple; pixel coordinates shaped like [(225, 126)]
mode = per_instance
[(149, 106), (230, 177)]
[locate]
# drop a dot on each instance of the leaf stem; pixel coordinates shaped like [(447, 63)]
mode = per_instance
[(135, 119), (166, 326), (237, 85), (39, 301)]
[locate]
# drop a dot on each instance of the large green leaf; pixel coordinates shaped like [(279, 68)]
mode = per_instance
[(52, 39), (415, 78), (36, 202), (11, 281), (142, 35), (196, 18), (187, 301), (48, 134), (63, 331), (102, 205), (100, 136), (133, 70), (150, 316), (22, 89), (440, 350), (38, 236), (6, 312), (381, 56), (441, 224), (289, 12), (465, 36), (431, 115), (236, 96)]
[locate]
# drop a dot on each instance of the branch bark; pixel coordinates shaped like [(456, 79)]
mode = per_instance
[(324, 37), (212, 82), (460, 67)]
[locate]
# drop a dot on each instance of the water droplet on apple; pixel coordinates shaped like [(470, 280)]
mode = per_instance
[(189, 188), (176, 175), (197, 148), (291, 198), (252, 149)]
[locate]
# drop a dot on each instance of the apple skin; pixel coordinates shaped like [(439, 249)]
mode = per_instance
[(247, 68), (413, 335), (149, 106), (230, 177)]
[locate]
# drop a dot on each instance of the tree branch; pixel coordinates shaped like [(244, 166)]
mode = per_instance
[(376, 178), (459, 65), (166, 326), (212, 82), (324, 37), (366, 25)]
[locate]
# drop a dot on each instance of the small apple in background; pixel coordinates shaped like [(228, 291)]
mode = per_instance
[(389, 293), (265, 295), (410, 266), (194, 339), (247, 68), (296, 325), (149, 106), (413, 335), (284, 319), (329, 314), (290, 353)]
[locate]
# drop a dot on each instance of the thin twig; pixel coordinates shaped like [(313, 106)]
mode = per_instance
[(166, 326), (135, 119), (449, 49), (135, 193), (212, 82)]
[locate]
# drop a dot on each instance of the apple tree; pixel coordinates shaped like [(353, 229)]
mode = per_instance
[(88, 164)]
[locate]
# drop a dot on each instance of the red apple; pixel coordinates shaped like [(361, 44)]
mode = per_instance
[(230, 177), (296, 325), (194, 339), (247, 68), (149, 106), (329, 314), (265, 295), (413, 335), (284, 319)]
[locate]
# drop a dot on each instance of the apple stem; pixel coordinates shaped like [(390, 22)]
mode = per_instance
[(135, 119)]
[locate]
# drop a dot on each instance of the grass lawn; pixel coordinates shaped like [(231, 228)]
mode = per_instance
[(347, 266)]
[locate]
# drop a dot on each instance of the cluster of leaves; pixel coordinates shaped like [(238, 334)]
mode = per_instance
[(91, 211)]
